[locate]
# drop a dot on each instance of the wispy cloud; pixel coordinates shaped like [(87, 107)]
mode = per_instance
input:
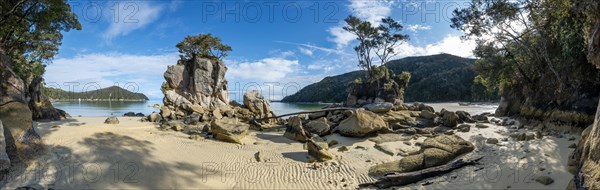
[(417, 27), (314, 47), (305, 51), (132, 16)]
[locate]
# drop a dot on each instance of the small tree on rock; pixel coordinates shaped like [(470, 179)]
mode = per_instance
[(377, 43), (203, 45)]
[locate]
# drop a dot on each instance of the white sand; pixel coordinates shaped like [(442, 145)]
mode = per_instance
[(139, 156)]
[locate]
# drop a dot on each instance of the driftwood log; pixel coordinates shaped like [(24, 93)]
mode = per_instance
[(415, 176)]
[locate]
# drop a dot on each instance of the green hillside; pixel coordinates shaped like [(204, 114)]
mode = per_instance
[(113, 93), (435, 78)]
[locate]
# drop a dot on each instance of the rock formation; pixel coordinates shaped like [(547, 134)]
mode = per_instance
[(196, 85), (22, 142), (588, 151), (40, 104), (361, 123)]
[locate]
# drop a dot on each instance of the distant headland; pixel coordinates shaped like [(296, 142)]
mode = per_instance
[(113, 93)]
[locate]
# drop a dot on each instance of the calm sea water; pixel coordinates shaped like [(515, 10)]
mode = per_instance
[(119, 108), (105, 108)]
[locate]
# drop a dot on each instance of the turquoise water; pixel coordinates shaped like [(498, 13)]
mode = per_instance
[(105, 108), (279, 108)]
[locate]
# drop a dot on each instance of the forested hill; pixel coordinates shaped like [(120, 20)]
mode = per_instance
[(435, 78), (113, 93)]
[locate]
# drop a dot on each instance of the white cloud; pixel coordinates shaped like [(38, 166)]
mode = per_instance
[(265, 70), (369, 10), (417, 27), (106, 69), (451, 44), (132, 16), (305, 51)]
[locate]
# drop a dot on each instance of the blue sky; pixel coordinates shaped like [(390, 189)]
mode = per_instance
[(278, 46)]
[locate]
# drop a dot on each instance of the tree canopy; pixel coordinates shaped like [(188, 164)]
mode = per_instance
[(30, 32), (531, 49), (380, 40), (202, 45)]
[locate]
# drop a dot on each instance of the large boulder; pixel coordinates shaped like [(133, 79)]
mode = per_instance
[(111, 120), (195, 85), (229, 130), (434, 151), (294, 129), (318, 150), (361, 123), (22, 142), (318, 127), (257, 104), (449, 119)]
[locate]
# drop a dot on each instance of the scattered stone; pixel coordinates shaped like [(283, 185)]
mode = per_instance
[(192, 119), (111, 120), (317, 115), (361, 123), (449, 119), (545, 180), (154, 117), (480, 118), (56, 126), (129, 114), (464, 128), (318, 150), (259, 156), (427, 115), (389, 137), (571, 139), (139, 114), (195, 137), (332, 143), (216, 113), (229, 130), (465, 117), (573, 145), (165, 112), (492, 141), (176, 125), (342, 149), (319, 126), (383, 107), (481, 125), (434, 151)]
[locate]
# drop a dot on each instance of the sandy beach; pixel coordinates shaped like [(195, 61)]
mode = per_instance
[(83, 152)]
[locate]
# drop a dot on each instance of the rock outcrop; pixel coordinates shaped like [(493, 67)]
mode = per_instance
[(195, 86), (22, 142), (40, 104), (588, 151), (434, 151)]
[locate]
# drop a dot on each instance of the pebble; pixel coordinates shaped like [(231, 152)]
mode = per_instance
[(545, 180)]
